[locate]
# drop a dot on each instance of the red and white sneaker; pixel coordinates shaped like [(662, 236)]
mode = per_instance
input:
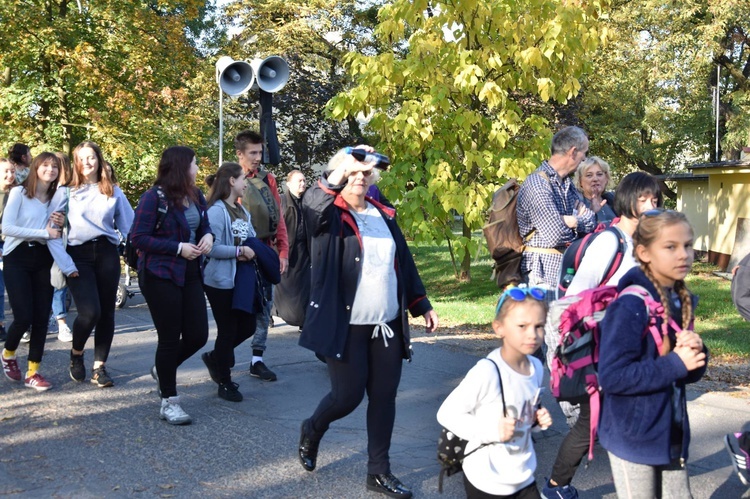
[(10, 368), (37, 382)]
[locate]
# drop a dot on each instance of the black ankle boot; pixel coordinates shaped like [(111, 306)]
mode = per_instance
[(308, 449), (389, 485)]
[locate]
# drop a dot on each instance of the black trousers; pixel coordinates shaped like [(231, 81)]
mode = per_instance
[(368, 367), (528, 492), (181, 321), (95, 292), (30, 295), (574, 446), (233, 327)]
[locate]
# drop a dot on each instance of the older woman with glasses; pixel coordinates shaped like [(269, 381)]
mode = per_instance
[(592, 177), (363, 282)]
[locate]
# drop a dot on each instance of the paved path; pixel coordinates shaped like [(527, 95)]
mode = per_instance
[(80, 441)]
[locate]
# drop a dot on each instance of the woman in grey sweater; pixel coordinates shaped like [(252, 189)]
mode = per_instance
[(93, 206)]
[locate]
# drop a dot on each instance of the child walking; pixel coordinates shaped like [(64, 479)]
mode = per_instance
[(504, 465), (644, 422)]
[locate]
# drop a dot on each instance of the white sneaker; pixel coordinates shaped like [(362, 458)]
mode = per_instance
[(64, 333), (26, 337), (172, 413)]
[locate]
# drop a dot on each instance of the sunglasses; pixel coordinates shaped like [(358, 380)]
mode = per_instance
[(656, 212), (365, 173), (519, 293)]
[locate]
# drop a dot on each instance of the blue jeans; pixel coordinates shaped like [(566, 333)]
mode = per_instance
[(262, 321), (58, 303)]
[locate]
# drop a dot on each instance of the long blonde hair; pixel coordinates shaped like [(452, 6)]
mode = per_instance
[(647, 232)]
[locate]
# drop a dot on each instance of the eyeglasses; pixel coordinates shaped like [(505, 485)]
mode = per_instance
[(519, 293)]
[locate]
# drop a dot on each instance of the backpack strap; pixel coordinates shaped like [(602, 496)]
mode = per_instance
[(655, 309), (162, 209), (614, 263), (502, 397)]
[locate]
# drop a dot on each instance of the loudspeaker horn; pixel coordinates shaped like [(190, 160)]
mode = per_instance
[(271, 73), (234, 77)]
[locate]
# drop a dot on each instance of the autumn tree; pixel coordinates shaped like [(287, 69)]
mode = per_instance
[(124, 74), (460, 100), (648, 103), (313, 36)]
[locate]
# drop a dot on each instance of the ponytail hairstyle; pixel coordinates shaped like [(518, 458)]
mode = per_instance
[(30, 183), (219, 181), (649, 227)]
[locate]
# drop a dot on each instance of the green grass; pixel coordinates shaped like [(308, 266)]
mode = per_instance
[(470, 305)]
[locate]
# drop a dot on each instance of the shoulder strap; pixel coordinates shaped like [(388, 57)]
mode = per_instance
[(162, 209), (502, 390), (616, 260), (654, 309)]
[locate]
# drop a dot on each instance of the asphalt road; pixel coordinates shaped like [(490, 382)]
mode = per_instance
[(77, 440)]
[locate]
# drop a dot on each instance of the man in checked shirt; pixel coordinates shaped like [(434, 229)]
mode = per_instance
[(550, 213)]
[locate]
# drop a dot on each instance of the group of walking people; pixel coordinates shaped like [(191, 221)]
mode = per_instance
[(644, 422), (232, 247)]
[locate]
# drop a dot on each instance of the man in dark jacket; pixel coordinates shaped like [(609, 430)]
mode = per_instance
[(291, 294)]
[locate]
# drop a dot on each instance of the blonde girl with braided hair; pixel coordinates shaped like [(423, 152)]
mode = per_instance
[(644, 422)]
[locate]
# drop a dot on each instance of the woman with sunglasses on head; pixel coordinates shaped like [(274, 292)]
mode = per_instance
[(497, 403), (363, 282), (92, 207), (637, 193)]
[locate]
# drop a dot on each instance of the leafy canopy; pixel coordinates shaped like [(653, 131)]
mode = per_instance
[(461, 100)]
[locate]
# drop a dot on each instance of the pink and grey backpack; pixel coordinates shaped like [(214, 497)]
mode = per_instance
[(574, 362)]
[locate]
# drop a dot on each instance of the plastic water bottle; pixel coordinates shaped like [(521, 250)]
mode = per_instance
[(568, 278)]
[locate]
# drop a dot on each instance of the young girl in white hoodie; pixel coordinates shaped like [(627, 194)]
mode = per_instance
[(504, 464)]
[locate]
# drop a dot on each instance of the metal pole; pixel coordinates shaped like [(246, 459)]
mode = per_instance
[(718, 103), (221, 126)]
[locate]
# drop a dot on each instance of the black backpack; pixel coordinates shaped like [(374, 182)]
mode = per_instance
[(131, 254), (574, 255), (451, 448)]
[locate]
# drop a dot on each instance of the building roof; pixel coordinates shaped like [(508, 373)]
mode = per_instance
[(683, 176), (722, 164)]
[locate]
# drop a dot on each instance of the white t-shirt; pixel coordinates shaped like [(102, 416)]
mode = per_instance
[(594, 263), (376, 299), (473, 412)]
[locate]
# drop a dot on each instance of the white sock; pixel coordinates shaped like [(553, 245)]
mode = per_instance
[(256, 359)]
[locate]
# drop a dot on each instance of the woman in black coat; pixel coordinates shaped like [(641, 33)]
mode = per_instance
[(363, 282)]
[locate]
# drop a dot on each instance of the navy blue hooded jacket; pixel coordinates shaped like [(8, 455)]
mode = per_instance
[(638, 383), (336, 251)]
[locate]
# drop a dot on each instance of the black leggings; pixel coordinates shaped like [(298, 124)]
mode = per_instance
[(233, 327), (95, 292), (528, 492), (370, 367), (573, 448), (30, 295), (181, 321)]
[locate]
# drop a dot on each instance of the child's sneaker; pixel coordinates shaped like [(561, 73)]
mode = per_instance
[(37, 382), (26, 337), (10, 368), (64, 333), (740, 456), (172, 413), (558, 492)]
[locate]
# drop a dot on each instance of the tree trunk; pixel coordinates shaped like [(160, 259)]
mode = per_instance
[(466, 261)]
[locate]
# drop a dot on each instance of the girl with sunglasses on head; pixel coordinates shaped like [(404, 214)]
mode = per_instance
[(644, 423), (636, 193), (495, 414)]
